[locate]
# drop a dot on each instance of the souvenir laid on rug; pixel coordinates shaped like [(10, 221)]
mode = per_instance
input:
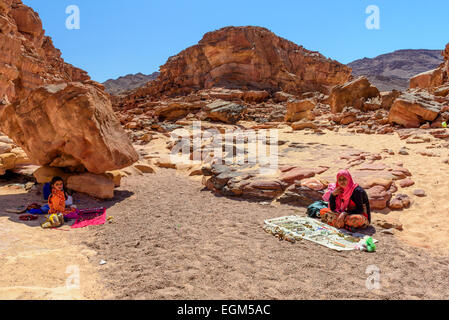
[(90, 217), (298, 228)]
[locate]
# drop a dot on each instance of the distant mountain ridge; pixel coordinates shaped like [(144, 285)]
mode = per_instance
[(394, 70), (128, 82)]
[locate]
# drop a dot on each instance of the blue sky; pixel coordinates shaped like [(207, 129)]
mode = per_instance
[(118, 37)]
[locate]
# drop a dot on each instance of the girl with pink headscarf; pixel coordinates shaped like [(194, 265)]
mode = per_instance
[(348, 204)]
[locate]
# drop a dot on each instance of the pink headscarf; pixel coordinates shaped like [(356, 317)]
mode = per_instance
[(342, 201)]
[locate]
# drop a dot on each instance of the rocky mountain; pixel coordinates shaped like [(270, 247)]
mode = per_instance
[(394, 70), (52, 110), (128, 82), (247, 58)]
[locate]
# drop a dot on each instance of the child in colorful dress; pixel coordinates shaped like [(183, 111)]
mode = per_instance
[(57, 204)]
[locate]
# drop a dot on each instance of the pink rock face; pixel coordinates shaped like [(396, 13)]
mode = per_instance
[(49, 108), (247, 58)]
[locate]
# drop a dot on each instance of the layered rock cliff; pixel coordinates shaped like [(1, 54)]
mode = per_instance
[(246, 58)]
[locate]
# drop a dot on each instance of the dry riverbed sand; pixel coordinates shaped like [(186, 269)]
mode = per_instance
[(171, 239)]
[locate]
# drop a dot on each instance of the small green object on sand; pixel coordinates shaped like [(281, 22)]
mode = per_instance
[(370, 246)]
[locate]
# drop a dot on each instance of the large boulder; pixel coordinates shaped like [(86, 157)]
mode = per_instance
[(413, 108), (353, 93), (435, 78), (176, 110), (51, 109), (388, 98), (226, 112), (298, 110), (46, 174), (69, 125), (429, 79), (98, 186)]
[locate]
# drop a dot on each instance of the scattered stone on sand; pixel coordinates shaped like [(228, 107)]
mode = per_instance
[(144, 167), (405, 183), (301, 125), (388, 223), (379, 197), (420, 193), (399, 202)]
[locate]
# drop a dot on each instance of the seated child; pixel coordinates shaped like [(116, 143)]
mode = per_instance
[(57, 203)]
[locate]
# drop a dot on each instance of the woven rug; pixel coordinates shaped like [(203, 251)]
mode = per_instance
[(90, 217), (300, 228)]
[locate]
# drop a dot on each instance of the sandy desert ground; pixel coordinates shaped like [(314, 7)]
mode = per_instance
[(172, 239)]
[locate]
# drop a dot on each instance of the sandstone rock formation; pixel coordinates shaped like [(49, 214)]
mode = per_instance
[(411, 109), (248, 58), (69, 125), (225, 111), (95, 185), (435, 78), (28, 58), (11, 156), (49, 108), (298, 110), (353, 93)]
